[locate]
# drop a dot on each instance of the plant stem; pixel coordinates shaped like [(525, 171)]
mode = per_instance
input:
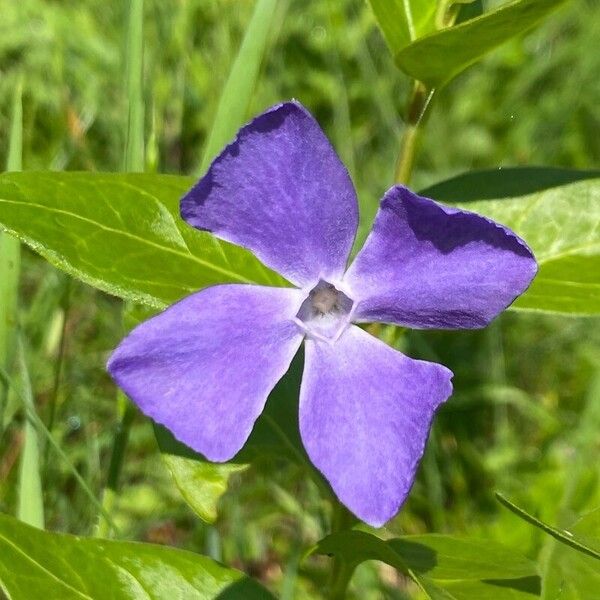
[(418, 107), (58, 366), (341, 571), (117, 457)]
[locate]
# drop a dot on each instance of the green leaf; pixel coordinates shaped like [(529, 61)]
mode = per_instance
[(39, 564), (572, 570), (443, 566), (448, 557), (559, 222), (527, 588), (403, 21), (589, 545), (237, 93), (438, 57), (571, 574), (122, 234), (201, 483)]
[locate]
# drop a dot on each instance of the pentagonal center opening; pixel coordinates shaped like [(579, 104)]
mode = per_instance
[(326, 311)]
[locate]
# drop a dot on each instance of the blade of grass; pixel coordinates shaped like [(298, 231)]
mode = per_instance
[(134, 60), (10, 257), (341, 107), (235, 97), (30, 508)]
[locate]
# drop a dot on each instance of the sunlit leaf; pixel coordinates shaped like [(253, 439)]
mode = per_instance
[(122, 234), (403, 21), (438, 57), (39, 564), (200, 482), (559, 222)]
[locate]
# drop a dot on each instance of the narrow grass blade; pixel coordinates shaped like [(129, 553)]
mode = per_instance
[(235, 97), (134, 150), (10, 255), (15, 146), (30, 508)]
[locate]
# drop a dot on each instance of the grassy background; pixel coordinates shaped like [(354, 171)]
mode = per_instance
[(527, 399)]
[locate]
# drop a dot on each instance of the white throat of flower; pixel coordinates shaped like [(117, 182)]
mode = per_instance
[(325, 312)]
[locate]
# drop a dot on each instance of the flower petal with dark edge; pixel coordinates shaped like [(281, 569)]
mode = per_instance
[(204, 367), (281, 191), (425, 265), (365, 414)]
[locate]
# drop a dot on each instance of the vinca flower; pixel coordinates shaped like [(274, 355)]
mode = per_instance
[(204, 367)]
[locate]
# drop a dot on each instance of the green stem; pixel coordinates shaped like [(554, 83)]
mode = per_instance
[(418, 108), (58, 367), (117, 457), (341, 571)]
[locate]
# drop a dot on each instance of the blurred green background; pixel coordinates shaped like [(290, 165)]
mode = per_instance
[(525, 416)]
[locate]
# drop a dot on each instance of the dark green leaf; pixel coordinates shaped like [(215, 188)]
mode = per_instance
[(122, 234), (559, 222), (39, 564), (504, 182), (437, 58), (443, 566)]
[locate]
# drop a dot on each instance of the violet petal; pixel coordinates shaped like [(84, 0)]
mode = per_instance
[(281, 191), (426, 265), (205, 366), (365, 414)]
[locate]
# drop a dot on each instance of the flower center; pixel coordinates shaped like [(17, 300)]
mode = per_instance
[(325, 312)]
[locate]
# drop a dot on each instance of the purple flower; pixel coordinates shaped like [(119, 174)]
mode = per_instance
[(205, 366)]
